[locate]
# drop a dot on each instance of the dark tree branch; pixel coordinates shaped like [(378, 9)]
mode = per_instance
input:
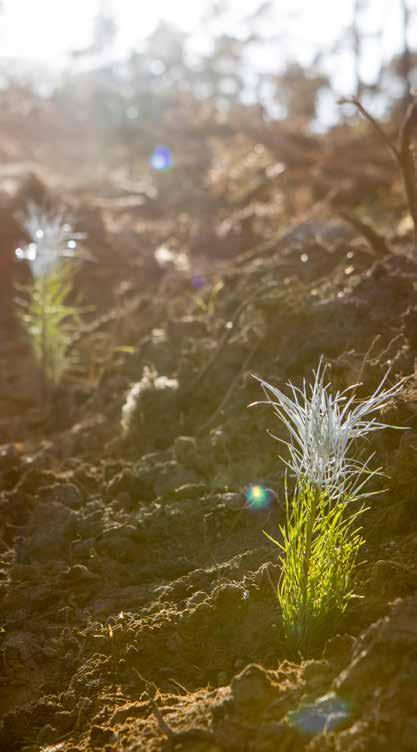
[(407, 161), (375, 240), (403, 156), (383, 136)]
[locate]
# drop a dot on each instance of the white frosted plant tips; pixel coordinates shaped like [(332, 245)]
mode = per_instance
[(323, 427), (52, 237), (47, 313)]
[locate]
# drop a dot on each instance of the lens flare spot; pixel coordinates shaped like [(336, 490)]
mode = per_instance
[(29, 253), (161, 158), (325, 714), (258, 497), (198, 282)]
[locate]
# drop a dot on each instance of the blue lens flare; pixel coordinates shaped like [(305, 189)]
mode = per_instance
[(198, 282), (161, 158), (258, 497), (325, 714)]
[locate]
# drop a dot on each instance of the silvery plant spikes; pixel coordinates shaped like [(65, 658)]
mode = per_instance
[(52, 238), (45, 309), (322, 427)]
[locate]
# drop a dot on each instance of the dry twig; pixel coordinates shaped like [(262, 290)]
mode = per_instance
[(403, 155)]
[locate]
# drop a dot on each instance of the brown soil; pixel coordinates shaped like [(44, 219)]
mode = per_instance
[(136, 586)]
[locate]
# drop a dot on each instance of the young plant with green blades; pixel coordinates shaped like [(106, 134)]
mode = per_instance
[(49, 320), (321, 535)]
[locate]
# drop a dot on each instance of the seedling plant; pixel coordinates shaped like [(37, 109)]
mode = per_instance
[(47, 317), (321, 535)]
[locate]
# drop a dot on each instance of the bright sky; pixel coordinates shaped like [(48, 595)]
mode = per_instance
[(46, 30)]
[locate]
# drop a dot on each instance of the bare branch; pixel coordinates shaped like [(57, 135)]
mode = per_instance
[(403, 156), (407, 162), (367, 115), (375, 240)]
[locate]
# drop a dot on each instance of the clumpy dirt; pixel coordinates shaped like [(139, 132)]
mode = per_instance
[(137, 603)]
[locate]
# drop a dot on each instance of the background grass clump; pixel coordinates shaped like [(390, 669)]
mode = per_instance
[(48, 317)]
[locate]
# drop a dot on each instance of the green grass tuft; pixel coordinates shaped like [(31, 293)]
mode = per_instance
[(320, 545), (50, 322)]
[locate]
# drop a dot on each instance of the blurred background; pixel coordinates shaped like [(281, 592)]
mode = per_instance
[(97, 81)]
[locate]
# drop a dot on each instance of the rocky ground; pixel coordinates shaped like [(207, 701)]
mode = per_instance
[(137, 604)]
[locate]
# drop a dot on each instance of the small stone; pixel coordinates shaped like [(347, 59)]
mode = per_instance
[(158, 477), (316, 671), (120, 542), (185, 450), (63, 493), (123, 482), (195, 599), (99, 736), (65, 720), (47, 735), (53, 526), (79, 573), (251, 686)]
